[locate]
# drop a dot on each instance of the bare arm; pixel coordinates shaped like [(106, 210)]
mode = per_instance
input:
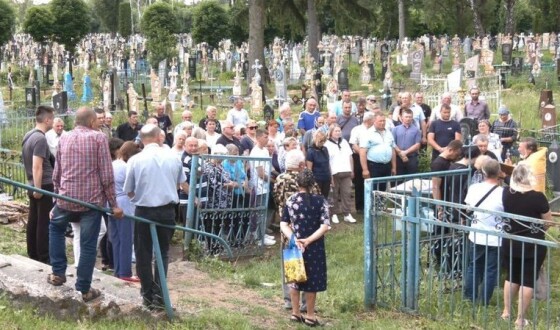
[(363, 162), (436, 188), (37, 170), (309, 164), (432, 142)]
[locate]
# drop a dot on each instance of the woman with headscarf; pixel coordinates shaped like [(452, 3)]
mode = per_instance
[(523, 260), (306, 216)]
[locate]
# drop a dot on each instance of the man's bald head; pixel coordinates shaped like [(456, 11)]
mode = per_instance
[(85, 117)]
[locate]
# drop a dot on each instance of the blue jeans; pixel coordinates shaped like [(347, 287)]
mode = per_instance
[(121, 233), (483, 269), (90, 222)]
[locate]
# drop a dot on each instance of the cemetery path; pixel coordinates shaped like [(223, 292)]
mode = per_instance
[(194, 292)]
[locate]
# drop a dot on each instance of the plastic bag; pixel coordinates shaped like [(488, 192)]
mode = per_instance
[(294, 268)]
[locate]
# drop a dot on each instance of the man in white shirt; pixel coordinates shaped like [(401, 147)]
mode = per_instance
[(456, 113), (53, 135), (237, 115)]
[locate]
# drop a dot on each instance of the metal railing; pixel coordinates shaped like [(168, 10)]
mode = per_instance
[(417, 260), (152, 224), (229, 203)]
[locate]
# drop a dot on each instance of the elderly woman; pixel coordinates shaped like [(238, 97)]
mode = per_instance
[(179, 143), (522, 260), (306, 216), (494, 144), (121, 230), (342, 171)]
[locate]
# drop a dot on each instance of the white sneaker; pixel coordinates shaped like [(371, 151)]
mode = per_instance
[(335, 219), (349, 218), (268, 241), (269, 237)]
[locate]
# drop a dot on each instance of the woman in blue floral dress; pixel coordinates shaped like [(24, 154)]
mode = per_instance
[(307, 217)]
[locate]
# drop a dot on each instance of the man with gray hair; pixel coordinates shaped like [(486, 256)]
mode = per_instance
[(187, 117), (82, 171), (456, 113), (237, 115), (53, 135), (284, 113), (356, 135), (211, 113), (152, 179)]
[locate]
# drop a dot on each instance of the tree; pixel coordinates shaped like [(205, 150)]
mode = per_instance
[(71, 22), (38, 23), (7, 22), (109, 10), (159, 24), (256, 35), (184, 18), (210, 23), (125, 19), (510, 23)]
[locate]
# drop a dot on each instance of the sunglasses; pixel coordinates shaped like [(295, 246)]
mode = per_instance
[(372, 100), (252, 127)]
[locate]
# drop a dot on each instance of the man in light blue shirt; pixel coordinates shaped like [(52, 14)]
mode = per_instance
[(377, 152), (337, 108), (152, 179)]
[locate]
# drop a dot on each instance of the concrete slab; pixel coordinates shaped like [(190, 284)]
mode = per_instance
[(25, 282)]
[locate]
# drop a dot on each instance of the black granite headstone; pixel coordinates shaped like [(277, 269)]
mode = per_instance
[(517, 66), (30, 97), (60, 102), (318, 85), (192, 67), (268, 113), (246, 70), (343, 83), (371, 72), (558, 68), (506, 53)]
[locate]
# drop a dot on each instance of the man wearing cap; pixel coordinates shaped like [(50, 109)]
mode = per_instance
[(506, 128)]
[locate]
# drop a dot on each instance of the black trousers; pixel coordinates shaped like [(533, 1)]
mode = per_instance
[(37, 234), (378, 170), (143, 247), (358, 182)]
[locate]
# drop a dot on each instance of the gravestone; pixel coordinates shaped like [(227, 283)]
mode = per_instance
[(280, 82), (343, 82), (60, 102), (467, 47), (372, 71), (385, 51), (295, 68), (517, 66), (317, 78), (552, 44), (268, 113), (471, 69), (506, 52), (545, 41), (30, 97), (558, 68), (192, 67), (417, 61)]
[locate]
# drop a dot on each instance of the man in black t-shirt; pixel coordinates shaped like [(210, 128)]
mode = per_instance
[(443, 131), (442, 163), (38, 168), (165, 124)]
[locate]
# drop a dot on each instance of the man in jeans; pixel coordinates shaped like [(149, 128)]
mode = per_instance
[(82, 171), (152, 179)]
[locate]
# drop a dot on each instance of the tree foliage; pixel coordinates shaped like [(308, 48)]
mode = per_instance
[(109, 14), (210, 23), (72, 22), (184, 18), (7, 22), (125, 19), (159, 24), (38, 23)]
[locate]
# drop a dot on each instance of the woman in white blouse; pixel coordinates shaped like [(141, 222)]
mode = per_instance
[(342, 171)]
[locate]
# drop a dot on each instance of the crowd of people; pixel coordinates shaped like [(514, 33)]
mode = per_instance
[(316, 173)]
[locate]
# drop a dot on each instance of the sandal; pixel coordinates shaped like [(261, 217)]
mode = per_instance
[(91, 295), (524, 323), (311, 323), (297, 318), (56, 280)]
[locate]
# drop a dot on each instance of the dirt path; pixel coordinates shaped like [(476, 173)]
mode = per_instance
[(193, 291)]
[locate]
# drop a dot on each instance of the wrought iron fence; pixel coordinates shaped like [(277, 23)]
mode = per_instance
[(420, 260), (231, 202), (11, 167)]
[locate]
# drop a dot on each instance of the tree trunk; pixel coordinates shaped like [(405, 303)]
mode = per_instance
[(402, 32), (510, 20), (313, 30), (478, 28), (256, 38)]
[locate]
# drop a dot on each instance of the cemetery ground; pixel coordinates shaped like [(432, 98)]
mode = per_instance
[(246, 294)]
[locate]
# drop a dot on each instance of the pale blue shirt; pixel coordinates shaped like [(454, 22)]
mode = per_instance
[(154, 175), (337, 108), (379, 145)]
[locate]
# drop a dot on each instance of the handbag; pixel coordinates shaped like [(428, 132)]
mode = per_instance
[(294, 268), (541, 285)]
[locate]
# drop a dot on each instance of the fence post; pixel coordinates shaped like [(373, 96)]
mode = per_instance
[(370, 267), (410, 292), (190, 221)]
